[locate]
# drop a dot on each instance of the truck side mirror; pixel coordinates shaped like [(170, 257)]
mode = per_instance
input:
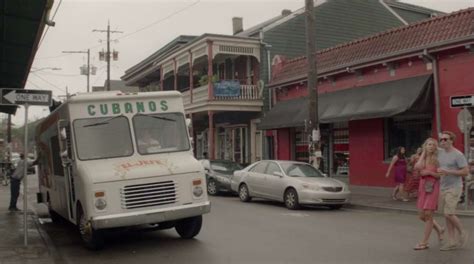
[(63, 134), (65, 158)]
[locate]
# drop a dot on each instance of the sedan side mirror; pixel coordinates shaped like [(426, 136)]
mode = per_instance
[(277, 173)]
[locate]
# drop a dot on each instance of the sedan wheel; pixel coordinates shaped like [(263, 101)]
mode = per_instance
[(244, 193), (291, 199), (212, 187)]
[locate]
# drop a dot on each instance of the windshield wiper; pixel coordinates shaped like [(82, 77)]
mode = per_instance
[(157, 117), (105, 122)]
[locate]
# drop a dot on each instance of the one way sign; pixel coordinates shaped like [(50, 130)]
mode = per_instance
[(11, 96)]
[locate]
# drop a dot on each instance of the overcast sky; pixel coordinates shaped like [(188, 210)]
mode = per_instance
[(147, 25)]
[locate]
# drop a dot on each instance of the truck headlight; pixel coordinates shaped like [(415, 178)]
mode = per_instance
[(100, 204), (198, 190), (100, 201)]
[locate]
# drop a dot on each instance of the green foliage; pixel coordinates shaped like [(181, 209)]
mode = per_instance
[(204, 79)]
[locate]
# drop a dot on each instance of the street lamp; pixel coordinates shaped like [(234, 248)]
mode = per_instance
[(46, 68)]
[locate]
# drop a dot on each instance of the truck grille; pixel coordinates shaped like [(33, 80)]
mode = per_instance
[(148, 194), (332, 189)]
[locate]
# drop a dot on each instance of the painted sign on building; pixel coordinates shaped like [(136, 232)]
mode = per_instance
[(227, 88)]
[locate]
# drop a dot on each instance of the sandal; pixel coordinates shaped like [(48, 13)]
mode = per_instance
[(421, 246), (394, 198)]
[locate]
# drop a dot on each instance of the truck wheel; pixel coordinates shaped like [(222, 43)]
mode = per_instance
[(189, 227), (92, 239)]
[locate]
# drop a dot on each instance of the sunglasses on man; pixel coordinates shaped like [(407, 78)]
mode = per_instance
[(444, 139)]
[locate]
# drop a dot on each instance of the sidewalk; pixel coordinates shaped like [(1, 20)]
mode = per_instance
[(378, 198), (12, 249)]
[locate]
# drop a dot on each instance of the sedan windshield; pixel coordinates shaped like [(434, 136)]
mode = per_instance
[(300, 170), (101, 138), (159, 133), (225, 166)]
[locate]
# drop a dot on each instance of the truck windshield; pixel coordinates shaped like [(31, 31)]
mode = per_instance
[(156, 133), (101, 138)]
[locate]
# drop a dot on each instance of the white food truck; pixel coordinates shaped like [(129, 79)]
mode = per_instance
[(113, 159)]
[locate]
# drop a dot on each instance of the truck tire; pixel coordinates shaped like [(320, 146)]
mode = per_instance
[(92, 239), (189, 227)]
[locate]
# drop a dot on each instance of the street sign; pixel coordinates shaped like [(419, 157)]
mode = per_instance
[(465, 121), (462, 101), (11, 96)]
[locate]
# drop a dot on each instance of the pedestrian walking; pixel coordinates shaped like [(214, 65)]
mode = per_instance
[(399, 162), (15, 181), (428, 191), (452, 168)]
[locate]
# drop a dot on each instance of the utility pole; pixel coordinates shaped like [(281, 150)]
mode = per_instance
[(312, 126), (88, 67), (107, 56)]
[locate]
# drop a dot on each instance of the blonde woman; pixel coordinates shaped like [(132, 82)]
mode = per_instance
[(428, 191)]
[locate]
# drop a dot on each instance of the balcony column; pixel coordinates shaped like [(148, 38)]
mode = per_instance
[(211, 135), (248, 70), (161, 78), (210, 85), (175, 75), (191, 79), (254, 69)]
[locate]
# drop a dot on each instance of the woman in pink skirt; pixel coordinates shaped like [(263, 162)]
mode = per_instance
[(428, 191)]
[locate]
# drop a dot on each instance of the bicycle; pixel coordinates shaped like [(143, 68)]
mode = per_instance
[(6, 171)]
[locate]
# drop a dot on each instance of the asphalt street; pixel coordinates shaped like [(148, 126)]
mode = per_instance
[(266, 232)]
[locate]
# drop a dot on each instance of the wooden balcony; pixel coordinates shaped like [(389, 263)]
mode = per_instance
[(249, 99)]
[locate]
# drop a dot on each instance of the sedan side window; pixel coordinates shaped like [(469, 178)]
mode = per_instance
[(272, 168), (259, 168)]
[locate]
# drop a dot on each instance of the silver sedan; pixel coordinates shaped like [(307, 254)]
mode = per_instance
[(291, 182)]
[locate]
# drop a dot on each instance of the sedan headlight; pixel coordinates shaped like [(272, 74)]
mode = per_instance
[(313, 187)]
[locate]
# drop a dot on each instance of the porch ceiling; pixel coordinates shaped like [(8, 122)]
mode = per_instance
[(21, 26)]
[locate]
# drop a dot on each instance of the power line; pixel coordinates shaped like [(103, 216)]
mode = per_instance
[(134, 32), (161, 20), (61, 74), (52, 84), (53, 57), (34, 84), (96, 79)]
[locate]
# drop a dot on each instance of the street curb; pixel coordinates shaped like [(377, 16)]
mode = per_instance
[(397, 210), (53, 252)]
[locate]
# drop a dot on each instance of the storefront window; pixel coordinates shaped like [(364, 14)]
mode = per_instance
[(408, 133), (301, 145), (341, 148)]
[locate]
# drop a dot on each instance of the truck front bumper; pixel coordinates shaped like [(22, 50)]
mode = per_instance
[(151, 216)]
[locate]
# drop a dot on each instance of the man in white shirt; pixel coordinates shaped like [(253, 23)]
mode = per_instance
[(452, 168), (15, 181)]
